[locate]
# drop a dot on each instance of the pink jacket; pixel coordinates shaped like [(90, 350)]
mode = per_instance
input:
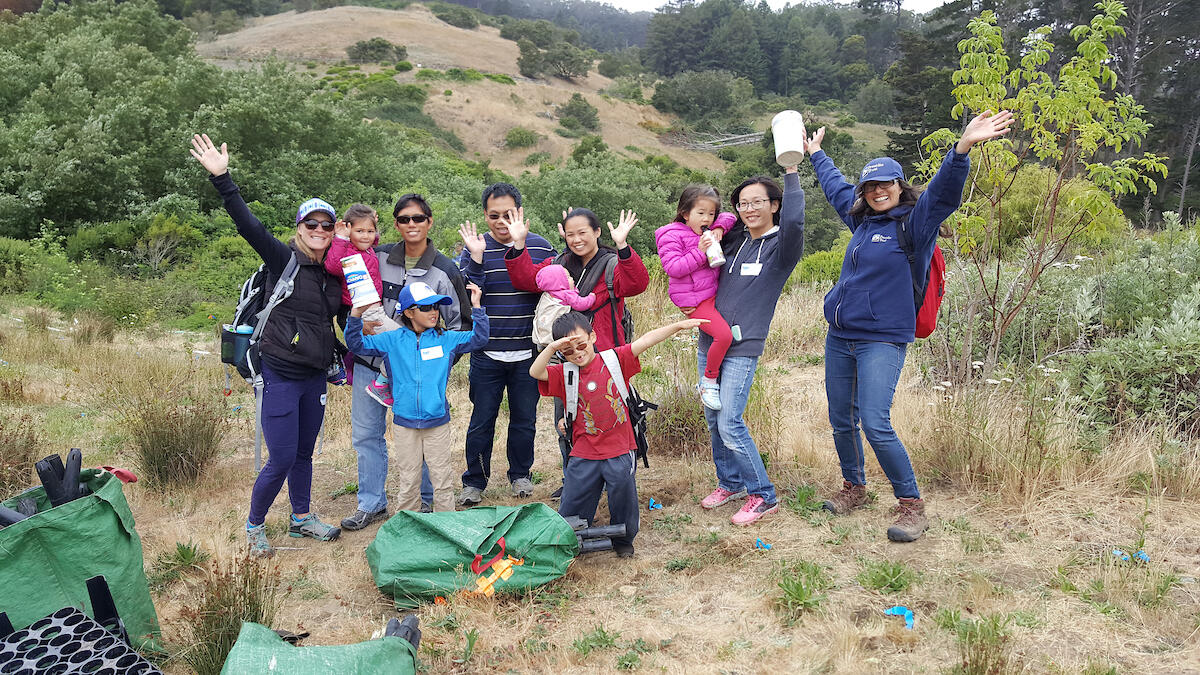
[(690, 279), (341, 248), (555, 280)]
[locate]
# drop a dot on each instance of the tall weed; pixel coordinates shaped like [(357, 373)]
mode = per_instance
[(242, 589), (19, 445), (175, 439)]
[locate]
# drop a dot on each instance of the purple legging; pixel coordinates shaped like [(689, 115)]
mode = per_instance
[(292, 413)]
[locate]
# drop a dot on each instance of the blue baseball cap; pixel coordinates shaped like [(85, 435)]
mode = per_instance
[(419, 293), (312, 206), (881, 169)]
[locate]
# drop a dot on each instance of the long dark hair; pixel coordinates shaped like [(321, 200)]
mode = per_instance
[(774, 193), (692, 194), (440, 326), (571, 259), (908, 196)]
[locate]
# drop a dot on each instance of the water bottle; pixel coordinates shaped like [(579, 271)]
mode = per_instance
[(716, 257)]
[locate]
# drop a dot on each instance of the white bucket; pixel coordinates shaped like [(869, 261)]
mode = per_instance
[(788, 129), (358, 281)]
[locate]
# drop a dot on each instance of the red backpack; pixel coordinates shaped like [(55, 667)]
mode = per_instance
[(929, 285)]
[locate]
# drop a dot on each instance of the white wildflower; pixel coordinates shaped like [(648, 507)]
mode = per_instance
[(938, 387), (991, 381), (947, 383), (1006, 379), (1048, 399)]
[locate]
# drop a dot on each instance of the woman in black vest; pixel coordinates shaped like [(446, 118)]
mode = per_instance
[(297, 347)]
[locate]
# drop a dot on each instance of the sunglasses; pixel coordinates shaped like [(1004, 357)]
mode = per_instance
[(418, 219), (313, 223), (576, 346), (426, 308)]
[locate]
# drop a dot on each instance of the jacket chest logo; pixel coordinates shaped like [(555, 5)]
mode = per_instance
[(879, 238)]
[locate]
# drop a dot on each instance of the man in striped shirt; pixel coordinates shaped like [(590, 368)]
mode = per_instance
[(504, 362)]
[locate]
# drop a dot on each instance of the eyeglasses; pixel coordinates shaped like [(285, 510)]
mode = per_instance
[(756, 204), (875, 184), (426, 308), (576, 346), (313, 223), (495, 216), (418, 219)]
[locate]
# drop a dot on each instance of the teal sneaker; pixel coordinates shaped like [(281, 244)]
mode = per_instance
[(310, 526), (256, 539)]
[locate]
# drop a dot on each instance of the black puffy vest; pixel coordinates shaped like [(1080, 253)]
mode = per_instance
[(300, 329)]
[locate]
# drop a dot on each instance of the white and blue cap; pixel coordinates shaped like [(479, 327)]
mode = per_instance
[(881, 169), (419, 293), (312, 206)]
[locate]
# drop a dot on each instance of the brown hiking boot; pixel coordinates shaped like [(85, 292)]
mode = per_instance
[(910, 520), (851, 497)]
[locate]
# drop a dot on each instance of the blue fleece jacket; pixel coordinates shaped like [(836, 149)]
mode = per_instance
[(419, 366), (873, 298), (755, 271)]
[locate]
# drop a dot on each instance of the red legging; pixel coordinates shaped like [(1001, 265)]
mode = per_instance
[(719, 330)]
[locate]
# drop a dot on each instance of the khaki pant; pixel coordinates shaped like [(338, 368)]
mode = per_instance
[(434, 446)]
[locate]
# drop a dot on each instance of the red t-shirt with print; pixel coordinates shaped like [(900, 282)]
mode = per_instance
[(601, 429)]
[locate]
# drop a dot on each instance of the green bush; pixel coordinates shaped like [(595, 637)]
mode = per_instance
[(376, 50), (464, 75), (404, 67), (14, 264), (455, 15), (578, 113), (536, 158), (628, 88), (520, 137), (500, 77)]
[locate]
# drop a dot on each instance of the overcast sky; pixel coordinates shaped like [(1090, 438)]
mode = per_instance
[(918, 6)]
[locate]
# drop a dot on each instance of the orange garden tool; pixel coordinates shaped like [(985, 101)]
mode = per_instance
[(502, 569)]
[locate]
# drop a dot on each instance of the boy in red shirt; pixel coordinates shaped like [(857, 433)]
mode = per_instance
[(603, 444)]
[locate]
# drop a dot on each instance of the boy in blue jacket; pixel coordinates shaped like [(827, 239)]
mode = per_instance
[(419, 356)]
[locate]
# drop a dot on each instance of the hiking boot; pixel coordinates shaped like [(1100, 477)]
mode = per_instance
[(256, 538), (522, 487), (754, 508), (361, 519), (721, 497), (710, 393), (381, 393), (851, 497), (557, 494), (470, 496), (426, 507), (623, 550), (910, 520), (311, 526)]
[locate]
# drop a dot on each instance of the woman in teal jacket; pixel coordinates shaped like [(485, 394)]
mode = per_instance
[(871, 313), (419, 356)]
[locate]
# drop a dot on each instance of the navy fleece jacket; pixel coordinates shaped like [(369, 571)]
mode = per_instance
[(873, 298), (748, 300)]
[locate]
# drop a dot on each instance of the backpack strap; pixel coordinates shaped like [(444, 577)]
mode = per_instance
[(613, 363), (571, 402), (283, 290), (919, 277)]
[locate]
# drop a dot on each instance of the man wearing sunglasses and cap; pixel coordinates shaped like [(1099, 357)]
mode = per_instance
[(414, 259)]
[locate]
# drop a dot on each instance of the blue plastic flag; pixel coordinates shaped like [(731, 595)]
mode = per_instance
[(1141, 555), (653, 505), (899, 610), (1120, 555), (760, 544)]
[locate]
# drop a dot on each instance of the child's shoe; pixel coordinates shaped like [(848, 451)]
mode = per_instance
[(256, 538), (336, 374), (380, 392), (754, 508), (310, 526), (720, 497), (710, 393)]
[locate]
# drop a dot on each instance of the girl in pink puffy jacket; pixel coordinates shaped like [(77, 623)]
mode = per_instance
[(692, 283)]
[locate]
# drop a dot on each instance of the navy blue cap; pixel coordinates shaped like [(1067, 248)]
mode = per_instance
[(881, 169)]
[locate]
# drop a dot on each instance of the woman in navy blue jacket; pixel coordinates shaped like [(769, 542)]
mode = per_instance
[(871, 312)]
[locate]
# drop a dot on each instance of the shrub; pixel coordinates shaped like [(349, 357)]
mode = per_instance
[(520, 137), (697, 95), (404, 67), (376, 50), (820, 267), (589, 145), (19, 449), (12, 384), (536, 158), (461, 75), (89, 329), (628, 88), (175, 438), (455, 15), (242, 590), (37, 320), (500, 77), (584, 114), (429, 74)]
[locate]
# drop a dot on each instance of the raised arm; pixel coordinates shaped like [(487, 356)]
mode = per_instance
[(480, 331), (838, 191), (791, 220), (340, 247), (274, 253), (653, 337)]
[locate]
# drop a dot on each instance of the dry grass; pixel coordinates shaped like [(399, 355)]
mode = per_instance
[(698, 597)]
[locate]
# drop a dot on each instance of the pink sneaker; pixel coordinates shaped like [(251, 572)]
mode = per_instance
[(381, 393), (720, 497), (752, 510)]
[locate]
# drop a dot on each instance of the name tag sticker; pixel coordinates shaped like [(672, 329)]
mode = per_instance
[(430, 353), (736, 331), (322, 400), (751, 269)]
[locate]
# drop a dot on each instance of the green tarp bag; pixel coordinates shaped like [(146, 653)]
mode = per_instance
[(46, 559), (419, 556), (259, 650)]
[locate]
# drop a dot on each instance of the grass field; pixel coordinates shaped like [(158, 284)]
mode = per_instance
[(1008, 579)]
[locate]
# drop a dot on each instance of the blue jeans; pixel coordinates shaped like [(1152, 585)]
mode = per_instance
[(292, 413), (860, 381), (368, 424), (488, 381), (739, 466)]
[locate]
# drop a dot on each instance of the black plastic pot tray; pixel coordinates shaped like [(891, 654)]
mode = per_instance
[(68, 641)]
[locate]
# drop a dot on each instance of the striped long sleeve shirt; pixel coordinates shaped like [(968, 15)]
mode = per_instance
[(510, 312)]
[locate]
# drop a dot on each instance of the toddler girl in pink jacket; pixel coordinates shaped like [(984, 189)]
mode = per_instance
[(357, 232), (692, 283)]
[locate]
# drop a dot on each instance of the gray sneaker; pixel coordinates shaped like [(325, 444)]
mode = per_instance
[(470, 496), (310, 526), (426, 507), (522, 487), (256, 538), (361, 519)]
